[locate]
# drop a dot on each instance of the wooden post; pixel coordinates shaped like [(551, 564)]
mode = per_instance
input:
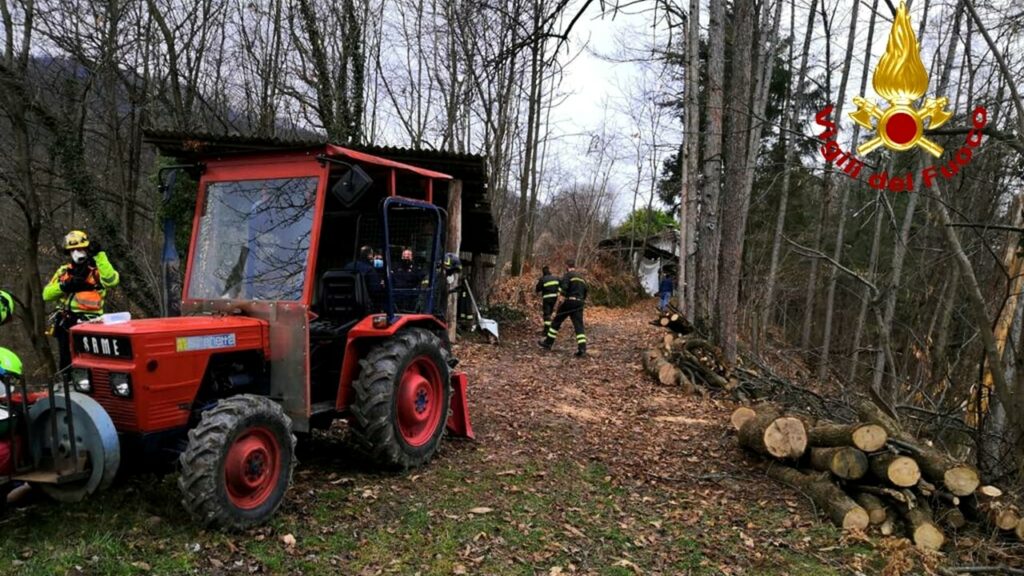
[(453, 240)]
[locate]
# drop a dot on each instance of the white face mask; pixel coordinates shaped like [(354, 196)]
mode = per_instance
[(78, 256)]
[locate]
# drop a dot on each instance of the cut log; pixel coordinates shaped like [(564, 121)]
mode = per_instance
[(1003, 515), (898, 470), (1019, 531), (845, 462), (923, 531), (888, 528), (989, 491), (877, 512), (937, 467), (741, 415), (773, 435), (865, 437), (841, 509), (890, 493), (953, 518), (648, 357)]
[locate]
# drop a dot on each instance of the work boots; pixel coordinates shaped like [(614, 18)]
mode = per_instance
[(546, 343), (581, 351)]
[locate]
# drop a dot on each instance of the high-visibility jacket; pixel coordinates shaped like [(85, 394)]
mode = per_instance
[(548, 286), (574, 287), (98, 276)]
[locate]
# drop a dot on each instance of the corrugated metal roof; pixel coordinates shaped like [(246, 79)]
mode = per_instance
[(479, 232)]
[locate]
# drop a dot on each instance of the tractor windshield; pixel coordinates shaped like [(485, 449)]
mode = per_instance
[(253, 240)]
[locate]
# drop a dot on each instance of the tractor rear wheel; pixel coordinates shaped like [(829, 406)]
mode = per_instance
[(401, 400), (238, 463)]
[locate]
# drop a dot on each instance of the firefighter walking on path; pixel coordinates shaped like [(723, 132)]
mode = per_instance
[(574, 291), (80, 286), (548, 288)]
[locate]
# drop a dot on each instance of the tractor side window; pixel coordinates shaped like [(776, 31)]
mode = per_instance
[(253, 240)]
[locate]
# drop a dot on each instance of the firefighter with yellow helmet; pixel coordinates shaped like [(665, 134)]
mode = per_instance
[(80, 287)]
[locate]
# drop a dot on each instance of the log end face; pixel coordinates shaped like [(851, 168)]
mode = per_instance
[(904, 472), (786, 438), (961, 480), (928, 537), (856, 519), (740, 416), (870, 437)]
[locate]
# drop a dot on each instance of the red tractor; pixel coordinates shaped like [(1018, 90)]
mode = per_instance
[(315, 289)]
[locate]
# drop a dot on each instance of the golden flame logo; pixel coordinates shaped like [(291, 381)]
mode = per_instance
[(901, 79)]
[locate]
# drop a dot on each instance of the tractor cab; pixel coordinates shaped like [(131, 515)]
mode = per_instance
[(315, 288)]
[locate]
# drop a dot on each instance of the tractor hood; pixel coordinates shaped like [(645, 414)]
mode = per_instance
[(170, 326), (175, 335)]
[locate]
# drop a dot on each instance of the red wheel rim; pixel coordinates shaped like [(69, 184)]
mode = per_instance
[(252, 468), (420, 399)]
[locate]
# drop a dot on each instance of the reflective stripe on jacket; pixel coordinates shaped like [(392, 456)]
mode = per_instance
[(574, 286), (548, 286)]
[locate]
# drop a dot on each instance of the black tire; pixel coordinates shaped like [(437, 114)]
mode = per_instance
[(228, 429), (375, 422)]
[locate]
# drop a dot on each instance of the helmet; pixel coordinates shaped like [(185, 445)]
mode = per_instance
[(6, 306), (9, 363), (76, 239), (452, 264)]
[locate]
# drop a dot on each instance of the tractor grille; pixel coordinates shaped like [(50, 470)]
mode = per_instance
[(121, 410)]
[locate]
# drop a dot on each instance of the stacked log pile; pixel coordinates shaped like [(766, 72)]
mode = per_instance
[(872, 474), (684, 358)]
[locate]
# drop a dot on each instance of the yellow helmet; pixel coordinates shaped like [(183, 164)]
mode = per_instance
[(76, 239)]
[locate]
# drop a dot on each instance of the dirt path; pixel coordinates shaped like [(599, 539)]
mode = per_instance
[(580, 466)]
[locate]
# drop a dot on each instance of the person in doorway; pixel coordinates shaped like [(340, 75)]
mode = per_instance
[(574, 291), (548, 288), (665, 288), (80, 286)]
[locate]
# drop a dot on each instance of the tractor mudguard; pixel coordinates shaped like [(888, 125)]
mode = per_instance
[(458, 420)]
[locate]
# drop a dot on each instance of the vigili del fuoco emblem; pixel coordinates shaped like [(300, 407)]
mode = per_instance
[(901, 79)]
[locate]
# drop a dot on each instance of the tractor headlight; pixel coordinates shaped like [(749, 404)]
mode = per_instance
[(80, 377), (121, 384)]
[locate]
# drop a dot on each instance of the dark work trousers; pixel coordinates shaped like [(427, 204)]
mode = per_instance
[(62, 332), (573, 310), (548, 308)]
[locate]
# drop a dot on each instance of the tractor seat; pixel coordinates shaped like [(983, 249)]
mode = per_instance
[(343, 295)]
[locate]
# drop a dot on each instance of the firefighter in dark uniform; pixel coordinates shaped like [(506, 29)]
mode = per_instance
[(548, 288), (574, 292)]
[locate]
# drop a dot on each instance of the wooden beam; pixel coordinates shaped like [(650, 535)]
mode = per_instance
[(453, 240)]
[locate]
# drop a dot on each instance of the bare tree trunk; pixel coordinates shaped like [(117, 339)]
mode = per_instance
[(788, 119), (811, 294), (837, 251), (522, 214), (982, 321), (688, 237), (866, 295), (736, 193), (710, 235)]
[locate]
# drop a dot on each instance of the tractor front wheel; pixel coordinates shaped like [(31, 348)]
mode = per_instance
[(238, 463), (401, 400)]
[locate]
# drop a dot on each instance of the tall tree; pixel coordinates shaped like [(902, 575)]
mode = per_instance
[(709, 232)]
